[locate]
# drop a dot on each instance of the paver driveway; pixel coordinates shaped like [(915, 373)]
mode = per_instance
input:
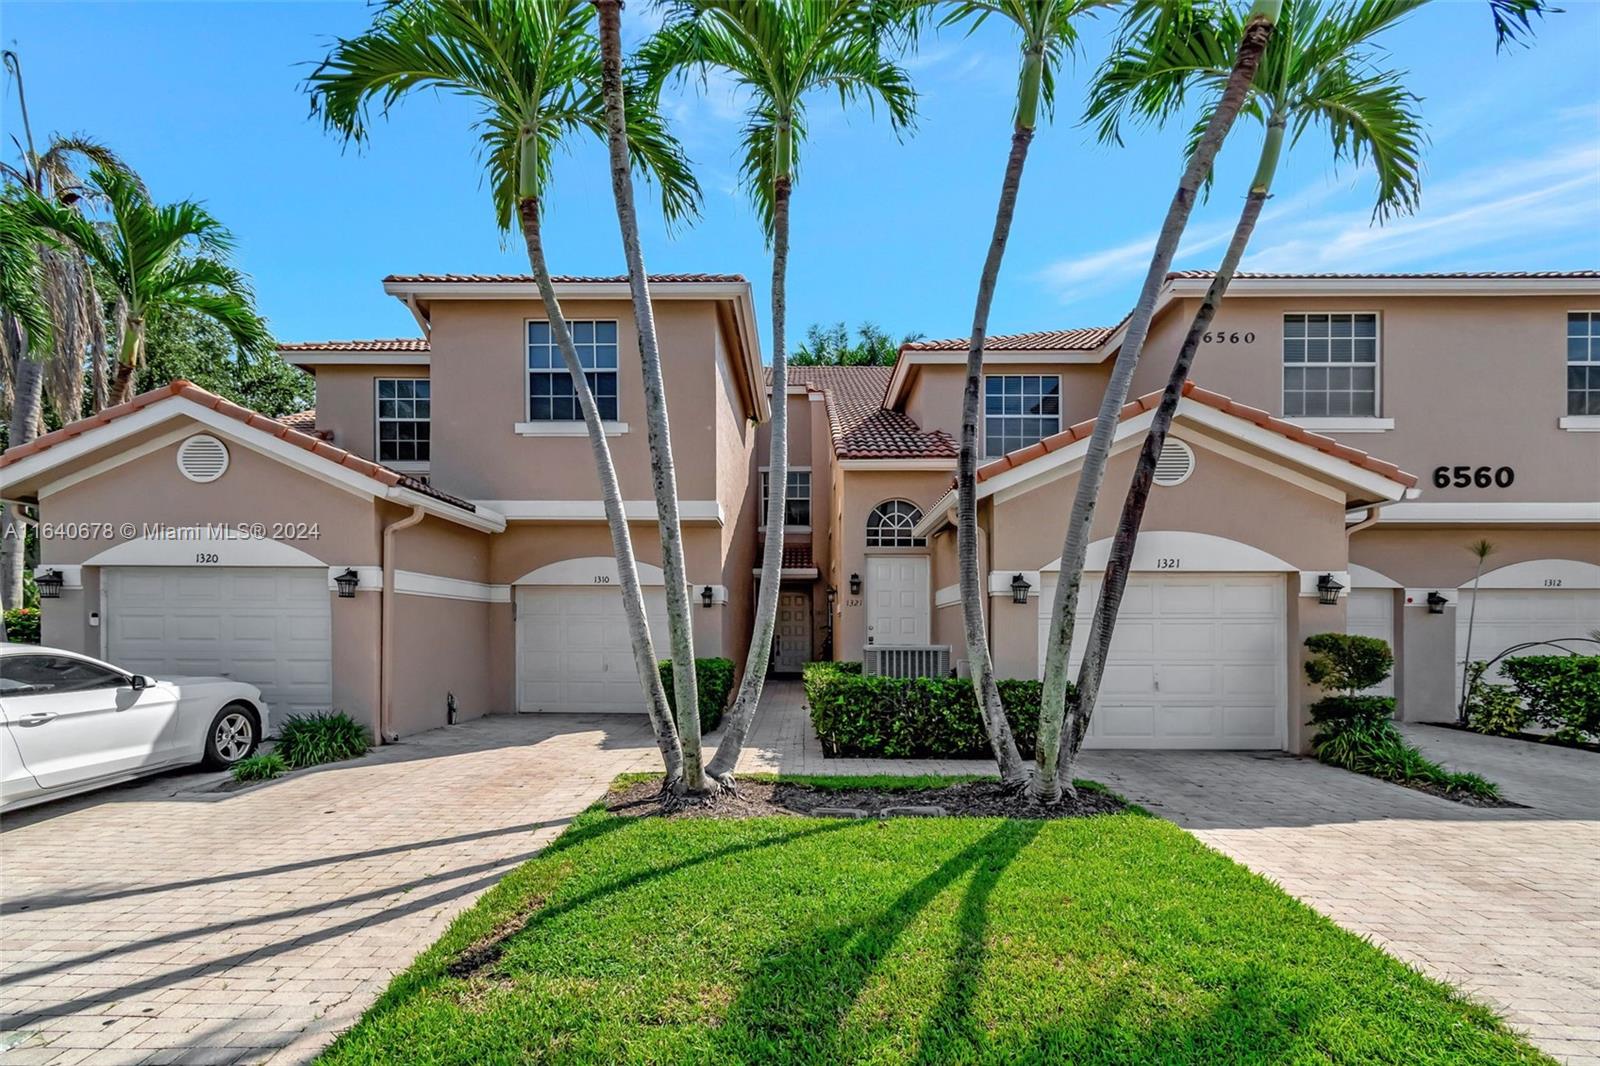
[(161, 923)]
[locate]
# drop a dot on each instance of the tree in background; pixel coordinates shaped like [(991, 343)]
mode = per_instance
[(832, 346), (182, 343)]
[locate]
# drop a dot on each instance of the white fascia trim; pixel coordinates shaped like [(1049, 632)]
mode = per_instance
[(897, 464), (936, 516), (1343, 425), (595, 510), (1580, 423), (449, 588), (357, 358), (1369, 482), (1391, 286), (1207, 442), (138, 452), (566, 429), (1554, 513), (948, 596), (1048, 467), (485, 519), (1309, 579), (1000, 579), (368, 578), (1010, 357)]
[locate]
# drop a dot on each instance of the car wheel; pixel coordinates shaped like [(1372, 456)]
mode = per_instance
[(233, 735)]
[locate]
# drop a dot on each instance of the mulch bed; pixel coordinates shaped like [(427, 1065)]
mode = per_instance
[(759, 799), (1466, 799)]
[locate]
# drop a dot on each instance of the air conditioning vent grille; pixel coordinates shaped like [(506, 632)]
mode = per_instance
[(202, 458), (1175, 463)]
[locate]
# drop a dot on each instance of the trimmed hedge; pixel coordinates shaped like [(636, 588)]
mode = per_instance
[(312, 739), (1559, 691), (714, 681), (22, 625), (911, 718)]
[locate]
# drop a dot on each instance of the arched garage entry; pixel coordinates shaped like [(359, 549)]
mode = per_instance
[(1540, 599)]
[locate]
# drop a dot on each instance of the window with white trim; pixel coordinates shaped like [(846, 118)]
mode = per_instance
[(796, 501), (551, 397), (891, 525), (1330, 365), (1583, 363), (404, 419), (1019, 410)]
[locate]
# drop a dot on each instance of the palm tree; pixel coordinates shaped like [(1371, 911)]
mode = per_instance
[(534, 69), (779, 52), (680, 621), (1048, 30), (1156, 21), (1318, 72), (1481, 549)]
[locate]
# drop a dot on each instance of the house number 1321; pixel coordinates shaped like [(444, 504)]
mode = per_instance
[(1169, 563)]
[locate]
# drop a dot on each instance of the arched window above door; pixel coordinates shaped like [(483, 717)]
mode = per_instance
[(891, 523)]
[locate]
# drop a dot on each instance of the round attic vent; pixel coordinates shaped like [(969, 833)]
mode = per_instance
[(202, 458), (1175, 463)]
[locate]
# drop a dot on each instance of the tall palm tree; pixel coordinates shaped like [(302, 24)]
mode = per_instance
[(534, 69), (1318, 73), (1481, 549), (779, 52), (1158, 21), (664, 481), (1048, 32)]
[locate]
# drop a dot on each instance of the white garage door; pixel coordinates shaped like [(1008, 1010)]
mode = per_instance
[(573, 651), (1370, 613), (267, 626), (1507, 617), (1197, 661)]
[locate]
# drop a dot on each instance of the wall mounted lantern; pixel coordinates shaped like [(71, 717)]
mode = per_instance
[(1019, 589), (1328, 590), (347, 583), (855, 584), (1436, 603), (50, 583), (707, 595)]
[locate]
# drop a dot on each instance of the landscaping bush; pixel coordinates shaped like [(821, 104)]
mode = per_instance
[(1495, 710), (714, 680), (1559, 691), (1345, 662), (911, 718), (22, 625), (260, 767), (308, 739)]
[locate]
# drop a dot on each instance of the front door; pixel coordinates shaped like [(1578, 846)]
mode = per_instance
[(897, 600), (792, 643)]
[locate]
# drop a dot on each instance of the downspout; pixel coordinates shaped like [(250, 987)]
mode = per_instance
[(1366, 523), (386, 624)]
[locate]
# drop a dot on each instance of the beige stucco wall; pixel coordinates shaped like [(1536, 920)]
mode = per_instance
[(440, 648), (934, 397), (347, 403)]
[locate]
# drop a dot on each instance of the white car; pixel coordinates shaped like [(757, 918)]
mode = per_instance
[(69, 723)]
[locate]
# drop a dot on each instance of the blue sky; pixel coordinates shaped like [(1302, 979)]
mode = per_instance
[(204, 100)]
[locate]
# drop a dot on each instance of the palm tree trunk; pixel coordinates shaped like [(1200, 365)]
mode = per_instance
[(760, 653), (1482, 550), (973, 596), (27, 390), (1126, 538), (680, 618), (128, 360), (99, 383), (644, 655), (1053, 713)]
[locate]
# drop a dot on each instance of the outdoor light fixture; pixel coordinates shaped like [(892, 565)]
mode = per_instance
[(707, 595), (50, 583), (1328, 590), (347, 583), (1019, 589), (855, 584), (1436, 603)]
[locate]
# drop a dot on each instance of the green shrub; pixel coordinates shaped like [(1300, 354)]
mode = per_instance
[(1345, 662), (22, 625), (1493, 709), (309, 739), (911, 718), (1560, 691), (713, 679), (262, 767)]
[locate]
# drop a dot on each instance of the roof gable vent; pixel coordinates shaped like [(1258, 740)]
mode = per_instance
[(1175, 463), (202, 458)]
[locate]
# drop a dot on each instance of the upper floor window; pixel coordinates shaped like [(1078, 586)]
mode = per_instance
[(1583, 363), (550, 394), (891, 523), (403, 420), (1330, 365), (1018, 410), (796, 501)]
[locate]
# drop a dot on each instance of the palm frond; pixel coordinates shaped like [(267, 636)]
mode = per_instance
[(1513, 19), (1370, 117), (22, 279)]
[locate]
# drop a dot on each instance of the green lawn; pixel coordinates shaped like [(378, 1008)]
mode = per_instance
[(1116, 939)]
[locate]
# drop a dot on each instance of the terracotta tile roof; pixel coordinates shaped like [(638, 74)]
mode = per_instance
[(304, 421), (797, 556), (860, 426), (1049, 340), (385, 344), (1149, 401), (1463, 274), (561, 278), (195, 394)]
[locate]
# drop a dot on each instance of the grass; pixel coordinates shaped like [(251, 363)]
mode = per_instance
[(1116, 939)]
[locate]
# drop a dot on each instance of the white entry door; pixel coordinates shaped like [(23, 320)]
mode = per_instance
[(268, 626), (1507, 617), (793, 633), (1370, 613), (573, 649), (1197, 661), (897, 600)]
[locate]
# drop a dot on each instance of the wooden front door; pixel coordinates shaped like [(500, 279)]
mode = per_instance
[(792, 637)]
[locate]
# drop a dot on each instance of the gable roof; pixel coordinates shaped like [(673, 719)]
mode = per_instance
[(1083, 339), (304, 421), (861, 427)]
